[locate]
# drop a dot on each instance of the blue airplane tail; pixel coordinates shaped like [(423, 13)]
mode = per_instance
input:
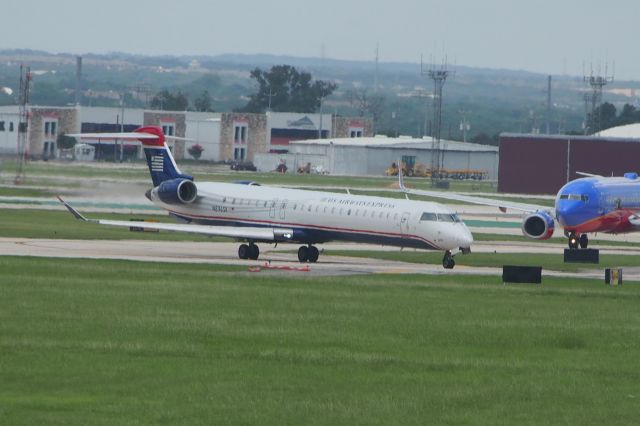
[(160, 161)]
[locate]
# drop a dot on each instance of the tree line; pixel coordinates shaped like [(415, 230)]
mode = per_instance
[(606, 116)]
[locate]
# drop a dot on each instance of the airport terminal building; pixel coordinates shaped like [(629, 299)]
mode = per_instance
[(223, 136)]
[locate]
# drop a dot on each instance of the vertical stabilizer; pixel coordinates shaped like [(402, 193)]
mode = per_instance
[(160, 161)]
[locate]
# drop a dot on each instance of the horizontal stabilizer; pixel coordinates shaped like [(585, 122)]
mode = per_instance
[(126, 135)]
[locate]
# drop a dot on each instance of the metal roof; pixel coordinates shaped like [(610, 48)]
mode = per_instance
[(401, 142), (631, 131)]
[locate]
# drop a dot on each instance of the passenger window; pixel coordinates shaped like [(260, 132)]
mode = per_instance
[(349, 212), (309, 208), (295, 206)]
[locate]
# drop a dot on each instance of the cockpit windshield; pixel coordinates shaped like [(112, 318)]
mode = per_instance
[(440, 217), (577, 197)]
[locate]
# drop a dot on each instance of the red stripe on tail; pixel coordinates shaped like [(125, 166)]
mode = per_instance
[(154, 130)]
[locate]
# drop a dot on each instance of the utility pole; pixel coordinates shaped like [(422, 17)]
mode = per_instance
[(375, 83), (464, 125), (549, 105), (439, 75), (23, 123)]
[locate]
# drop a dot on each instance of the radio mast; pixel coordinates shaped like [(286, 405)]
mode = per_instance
[(23, 123)]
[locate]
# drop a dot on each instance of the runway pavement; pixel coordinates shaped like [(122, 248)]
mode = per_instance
[(281, 257)]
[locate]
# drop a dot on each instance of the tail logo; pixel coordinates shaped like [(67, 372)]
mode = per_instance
[(157, 163)]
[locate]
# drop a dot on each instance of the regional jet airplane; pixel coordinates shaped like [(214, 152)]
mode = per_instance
[(254, 214), (586, 205)]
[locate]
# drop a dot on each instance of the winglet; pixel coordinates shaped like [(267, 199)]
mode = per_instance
[(73, 211)]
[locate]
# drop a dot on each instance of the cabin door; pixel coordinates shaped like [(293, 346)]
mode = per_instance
[(404, 223)]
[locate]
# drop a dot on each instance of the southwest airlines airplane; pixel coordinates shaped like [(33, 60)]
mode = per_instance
[(253, 214), (587, 205)]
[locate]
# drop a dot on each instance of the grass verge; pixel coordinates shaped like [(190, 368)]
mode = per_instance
[(113, 342)]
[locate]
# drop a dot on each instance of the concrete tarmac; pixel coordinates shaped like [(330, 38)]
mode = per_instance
[(284, 256)]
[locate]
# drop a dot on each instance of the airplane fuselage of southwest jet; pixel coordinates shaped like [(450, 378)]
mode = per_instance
[(253, 213), (598, 204), (586, 205)]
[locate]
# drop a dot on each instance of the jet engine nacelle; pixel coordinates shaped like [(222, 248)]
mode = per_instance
[(177, 191), (538, 225)]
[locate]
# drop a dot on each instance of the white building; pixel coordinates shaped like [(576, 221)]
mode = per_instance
[(370, 156), (9, 119)]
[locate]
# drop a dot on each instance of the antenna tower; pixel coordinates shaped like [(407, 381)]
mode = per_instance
[(23, 123), (439, 75), (593, 120)]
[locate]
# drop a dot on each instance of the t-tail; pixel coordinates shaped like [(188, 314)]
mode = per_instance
[(162, 166)]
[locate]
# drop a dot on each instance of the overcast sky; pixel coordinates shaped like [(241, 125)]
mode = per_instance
[(545, 36)]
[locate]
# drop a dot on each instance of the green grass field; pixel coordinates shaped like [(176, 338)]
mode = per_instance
[(114, 342)]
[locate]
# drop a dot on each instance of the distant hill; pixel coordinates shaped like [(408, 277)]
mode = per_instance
[(493, 100)]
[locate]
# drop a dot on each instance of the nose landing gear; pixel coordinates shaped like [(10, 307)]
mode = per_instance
[(575, 241), (447, 260)]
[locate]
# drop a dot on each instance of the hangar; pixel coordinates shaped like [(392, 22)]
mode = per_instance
[(542, 164), (370, 156)]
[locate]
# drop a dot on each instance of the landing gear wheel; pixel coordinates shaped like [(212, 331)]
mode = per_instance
[(313, 254), (584, 241), (573, 241), (243, 251), (303, 254), (447, 261), (254, 252)]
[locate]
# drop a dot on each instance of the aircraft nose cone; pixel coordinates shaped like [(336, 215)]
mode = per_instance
[(466, 239), (563, 211)]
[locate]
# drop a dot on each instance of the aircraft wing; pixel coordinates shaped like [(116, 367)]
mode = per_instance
[(248, 233), (501, 204)]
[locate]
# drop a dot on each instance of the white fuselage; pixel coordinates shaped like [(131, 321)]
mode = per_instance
[(317, 217)]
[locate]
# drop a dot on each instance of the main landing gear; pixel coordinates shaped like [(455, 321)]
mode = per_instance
[(575, 241), (251, 251), (248, 251), (447, 260), (308, 254)]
